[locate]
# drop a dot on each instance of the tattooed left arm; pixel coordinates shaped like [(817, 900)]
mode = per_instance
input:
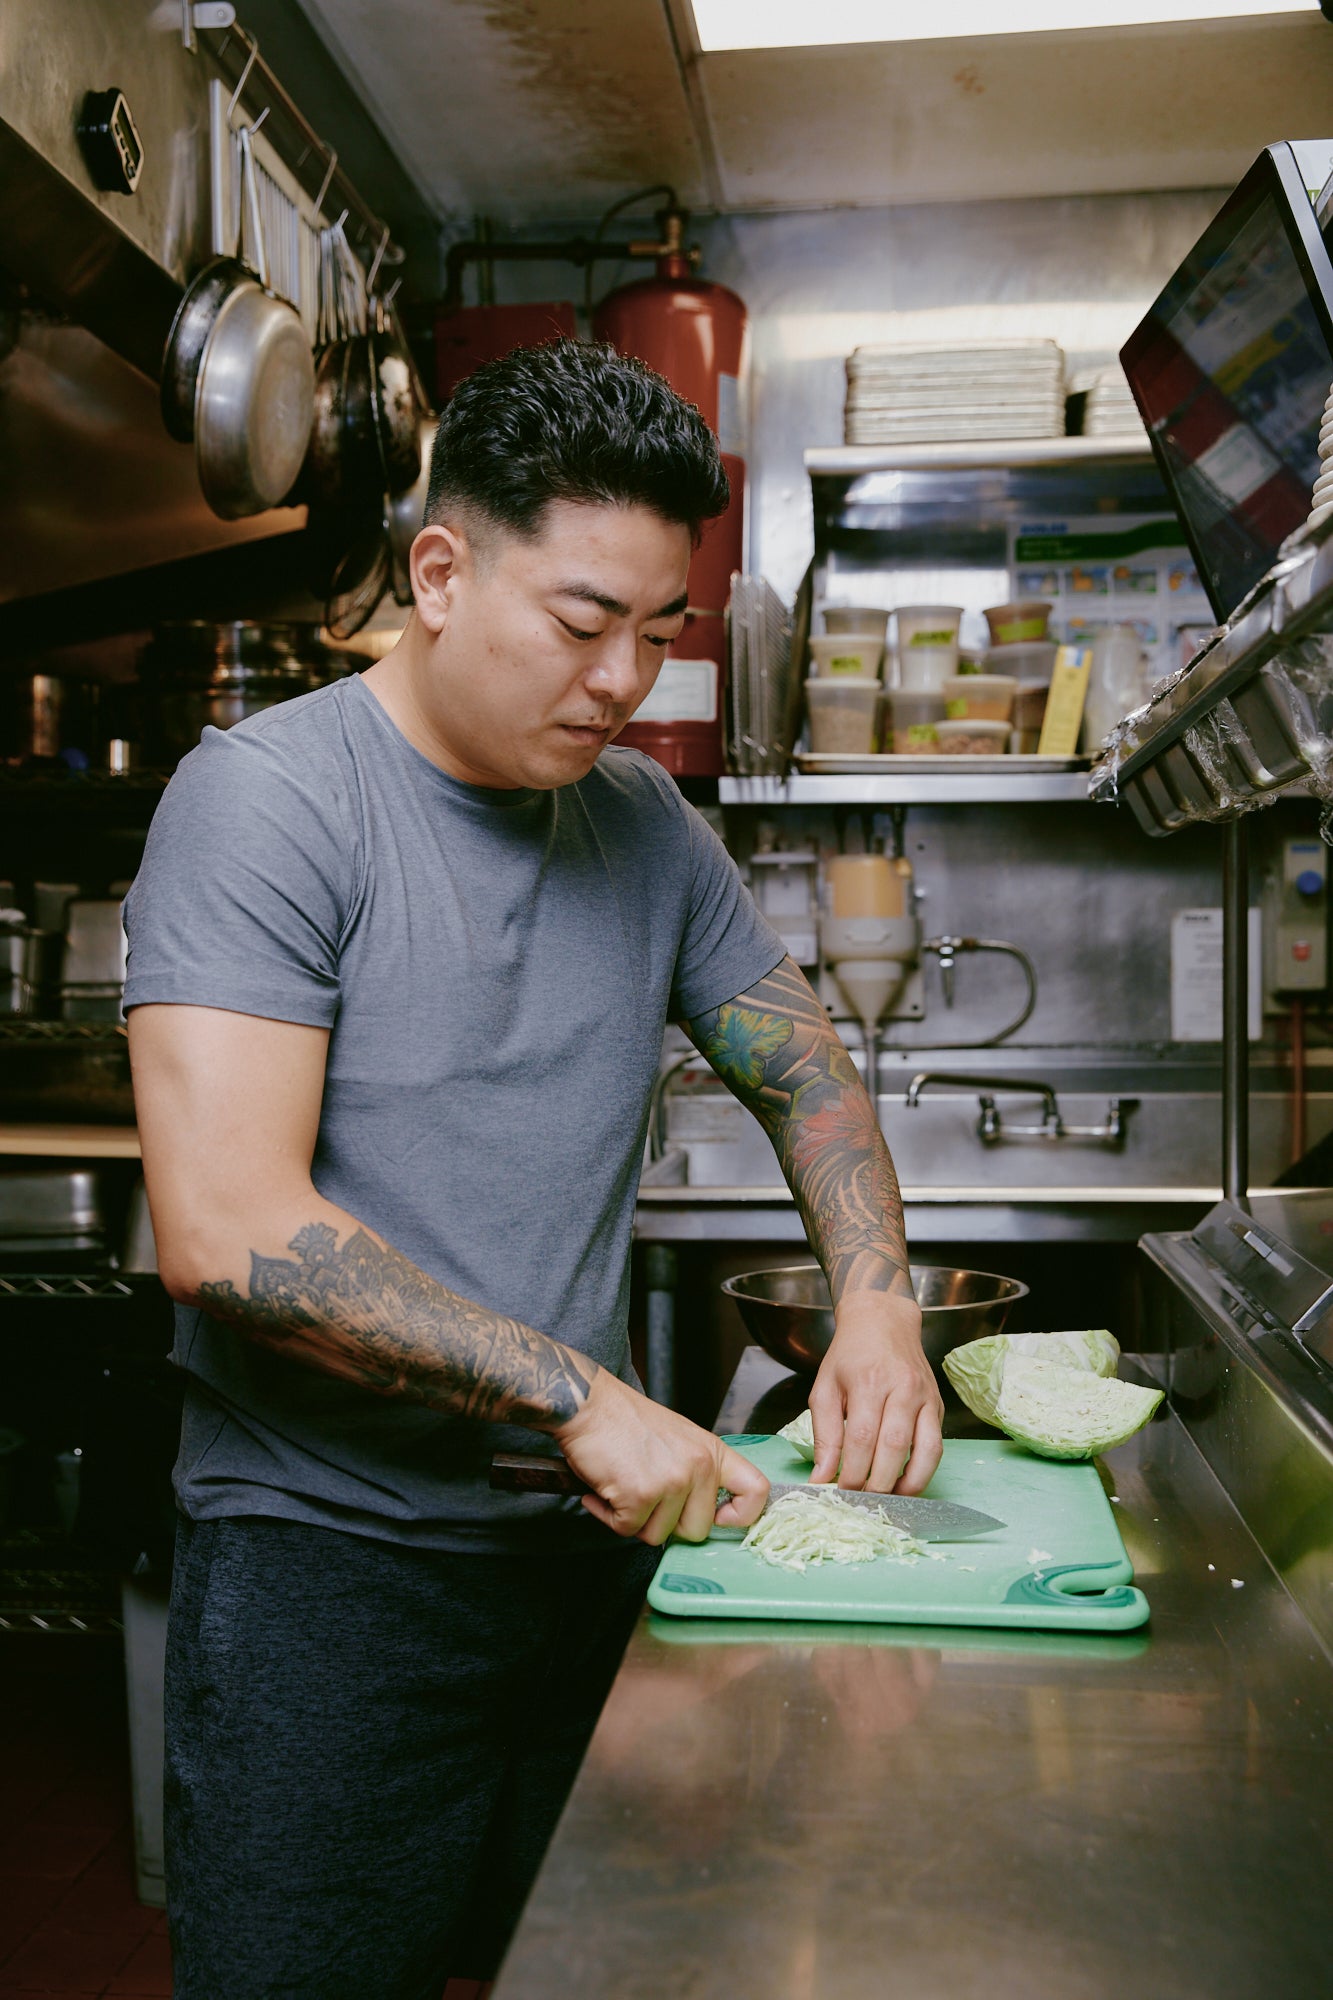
[(875, 1403)]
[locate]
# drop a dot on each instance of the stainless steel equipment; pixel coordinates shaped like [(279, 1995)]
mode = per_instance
[(51, 1212), (196, 672), (790, 1314)]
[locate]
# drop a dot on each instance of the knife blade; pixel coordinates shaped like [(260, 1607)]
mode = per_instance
[(927, 1520)]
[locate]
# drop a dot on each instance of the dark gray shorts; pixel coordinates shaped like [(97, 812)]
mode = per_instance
[(367, 1750)]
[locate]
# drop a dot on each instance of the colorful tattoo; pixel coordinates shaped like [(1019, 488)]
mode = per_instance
[(365, 1312), (776, 1049)]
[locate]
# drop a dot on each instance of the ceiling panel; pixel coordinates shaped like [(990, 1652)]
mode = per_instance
[(521, 109), (535, 110), (1110, 111)]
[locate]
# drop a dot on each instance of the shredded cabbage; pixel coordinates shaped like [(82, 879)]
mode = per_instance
[(977, 1369), (800, 1435), (802, 1530), (1063, 1412)]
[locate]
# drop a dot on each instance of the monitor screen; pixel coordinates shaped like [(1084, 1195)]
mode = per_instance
[(1231, 370)]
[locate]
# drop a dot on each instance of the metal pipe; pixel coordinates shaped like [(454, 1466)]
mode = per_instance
[(579, 250), (1235, 1010)]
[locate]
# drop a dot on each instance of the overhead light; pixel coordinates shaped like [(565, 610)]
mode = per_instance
[(785, 24)]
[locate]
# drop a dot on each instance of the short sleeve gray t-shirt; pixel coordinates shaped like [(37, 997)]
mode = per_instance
[(496, 970)]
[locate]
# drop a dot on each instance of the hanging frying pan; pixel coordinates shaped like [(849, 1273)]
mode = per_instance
[(238, 376)]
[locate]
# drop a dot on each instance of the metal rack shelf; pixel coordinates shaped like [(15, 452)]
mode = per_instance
[(962, 788), (846, 461)]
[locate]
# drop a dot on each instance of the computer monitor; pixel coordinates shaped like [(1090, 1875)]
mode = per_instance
[(1231, 370)]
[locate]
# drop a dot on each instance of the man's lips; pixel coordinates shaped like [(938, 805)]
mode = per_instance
[(588, 732)]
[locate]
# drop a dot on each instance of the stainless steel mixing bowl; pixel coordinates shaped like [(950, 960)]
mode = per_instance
[(789, 1313)]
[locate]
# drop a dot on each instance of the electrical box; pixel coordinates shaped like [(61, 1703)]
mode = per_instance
[(1298, 922)]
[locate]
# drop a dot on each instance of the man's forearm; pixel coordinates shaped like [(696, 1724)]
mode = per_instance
[(776, 1049), (352, 1306)]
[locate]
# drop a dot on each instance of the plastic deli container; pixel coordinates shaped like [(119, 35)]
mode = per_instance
[(932, 626), (973, 739), (844, 714), (1027, 660), (980, 697), (914, 719), (847, 653), (1026, 618), (924, 668), (857, 618)]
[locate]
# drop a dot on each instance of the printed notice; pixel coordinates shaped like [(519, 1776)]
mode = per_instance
[(1196, 976)]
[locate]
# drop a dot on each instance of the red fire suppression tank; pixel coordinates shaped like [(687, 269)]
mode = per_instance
[(693, 333)]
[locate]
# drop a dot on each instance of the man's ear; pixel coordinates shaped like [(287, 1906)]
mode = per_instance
[(440, 554)]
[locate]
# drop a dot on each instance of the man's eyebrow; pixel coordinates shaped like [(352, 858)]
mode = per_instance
[(588, 593)]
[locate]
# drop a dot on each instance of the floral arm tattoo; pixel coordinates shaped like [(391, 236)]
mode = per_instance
[(364, 1312), (776, 1050)]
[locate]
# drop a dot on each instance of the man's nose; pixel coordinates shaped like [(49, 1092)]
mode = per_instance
[(614, 674)]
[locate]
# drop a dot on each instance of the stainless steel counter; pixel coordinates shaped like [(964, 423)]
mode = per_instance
[(976, 1214), (826, 1813)]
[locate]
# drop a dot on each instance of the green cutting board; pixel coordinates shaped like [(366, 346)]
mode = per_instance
[(1058, 1560)]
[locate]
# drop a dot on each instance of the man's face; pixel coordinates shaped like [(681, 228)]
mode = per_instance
[(537, 651)]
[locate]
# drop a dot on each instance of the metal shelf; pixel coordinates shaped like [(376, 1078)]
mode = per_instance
[(848, 460), (960, 788)]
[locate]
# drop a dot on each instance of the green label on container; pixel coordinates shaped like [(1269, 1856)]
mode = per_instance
[(922, 735), (846, 663), (956, 709), (944, 638)]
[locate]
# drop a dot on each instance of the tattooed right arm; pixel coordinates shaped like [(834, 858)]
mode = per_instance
[(228, 1108), (362, 1310)]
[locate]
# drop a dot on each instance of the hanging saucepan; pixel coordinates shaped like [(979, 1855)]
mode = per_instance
[(398, 402), (343, 462), (405, 512), (238, 376)]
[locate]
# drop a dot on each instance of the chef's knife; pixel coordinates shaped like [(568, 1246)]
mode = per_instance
[(927, 1520)]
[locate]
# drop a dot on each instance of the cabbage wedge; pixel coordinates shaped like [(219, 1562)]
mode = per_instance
[(977, 1369)]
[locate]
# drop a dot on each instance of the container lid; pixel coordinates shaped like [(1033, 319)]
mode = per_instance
[(1014, 649), (959, 686), (916, 698), (827, 683)]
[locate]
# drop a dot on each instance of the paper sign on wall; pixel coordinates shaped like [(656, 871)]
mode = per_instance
[(1196, 976)]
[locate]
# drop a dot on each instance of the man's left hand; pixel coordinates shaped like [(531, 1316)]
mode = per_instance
[(875, 1405)]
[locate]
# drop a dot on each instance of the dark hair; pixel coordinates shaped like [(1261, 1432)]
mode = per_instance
[(572, 420)]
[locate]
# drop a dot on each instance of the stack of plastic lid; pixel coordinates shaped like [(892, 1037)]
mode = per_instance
[(959, 393)]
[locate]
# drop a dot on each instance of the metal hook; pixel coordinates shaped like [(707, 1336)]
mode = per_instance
[(255, 123), (325, 183), (374, 270), (250, 62)]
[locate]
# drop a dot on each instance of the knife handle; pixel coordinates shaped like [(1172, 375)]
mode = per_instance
[(534, 1472)]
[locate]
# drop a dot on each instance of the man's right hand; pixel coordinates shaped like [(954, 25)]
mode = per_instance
[(654, 1473)]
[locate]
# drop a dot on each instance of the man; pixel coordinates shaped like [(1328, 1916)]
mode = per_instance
[(402, 953)]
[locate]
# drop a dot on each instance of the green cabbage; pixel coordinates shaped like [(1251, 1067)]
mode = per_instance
[(1063, 1412), (800, 1435), (977, 1370), (802, 1530)]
